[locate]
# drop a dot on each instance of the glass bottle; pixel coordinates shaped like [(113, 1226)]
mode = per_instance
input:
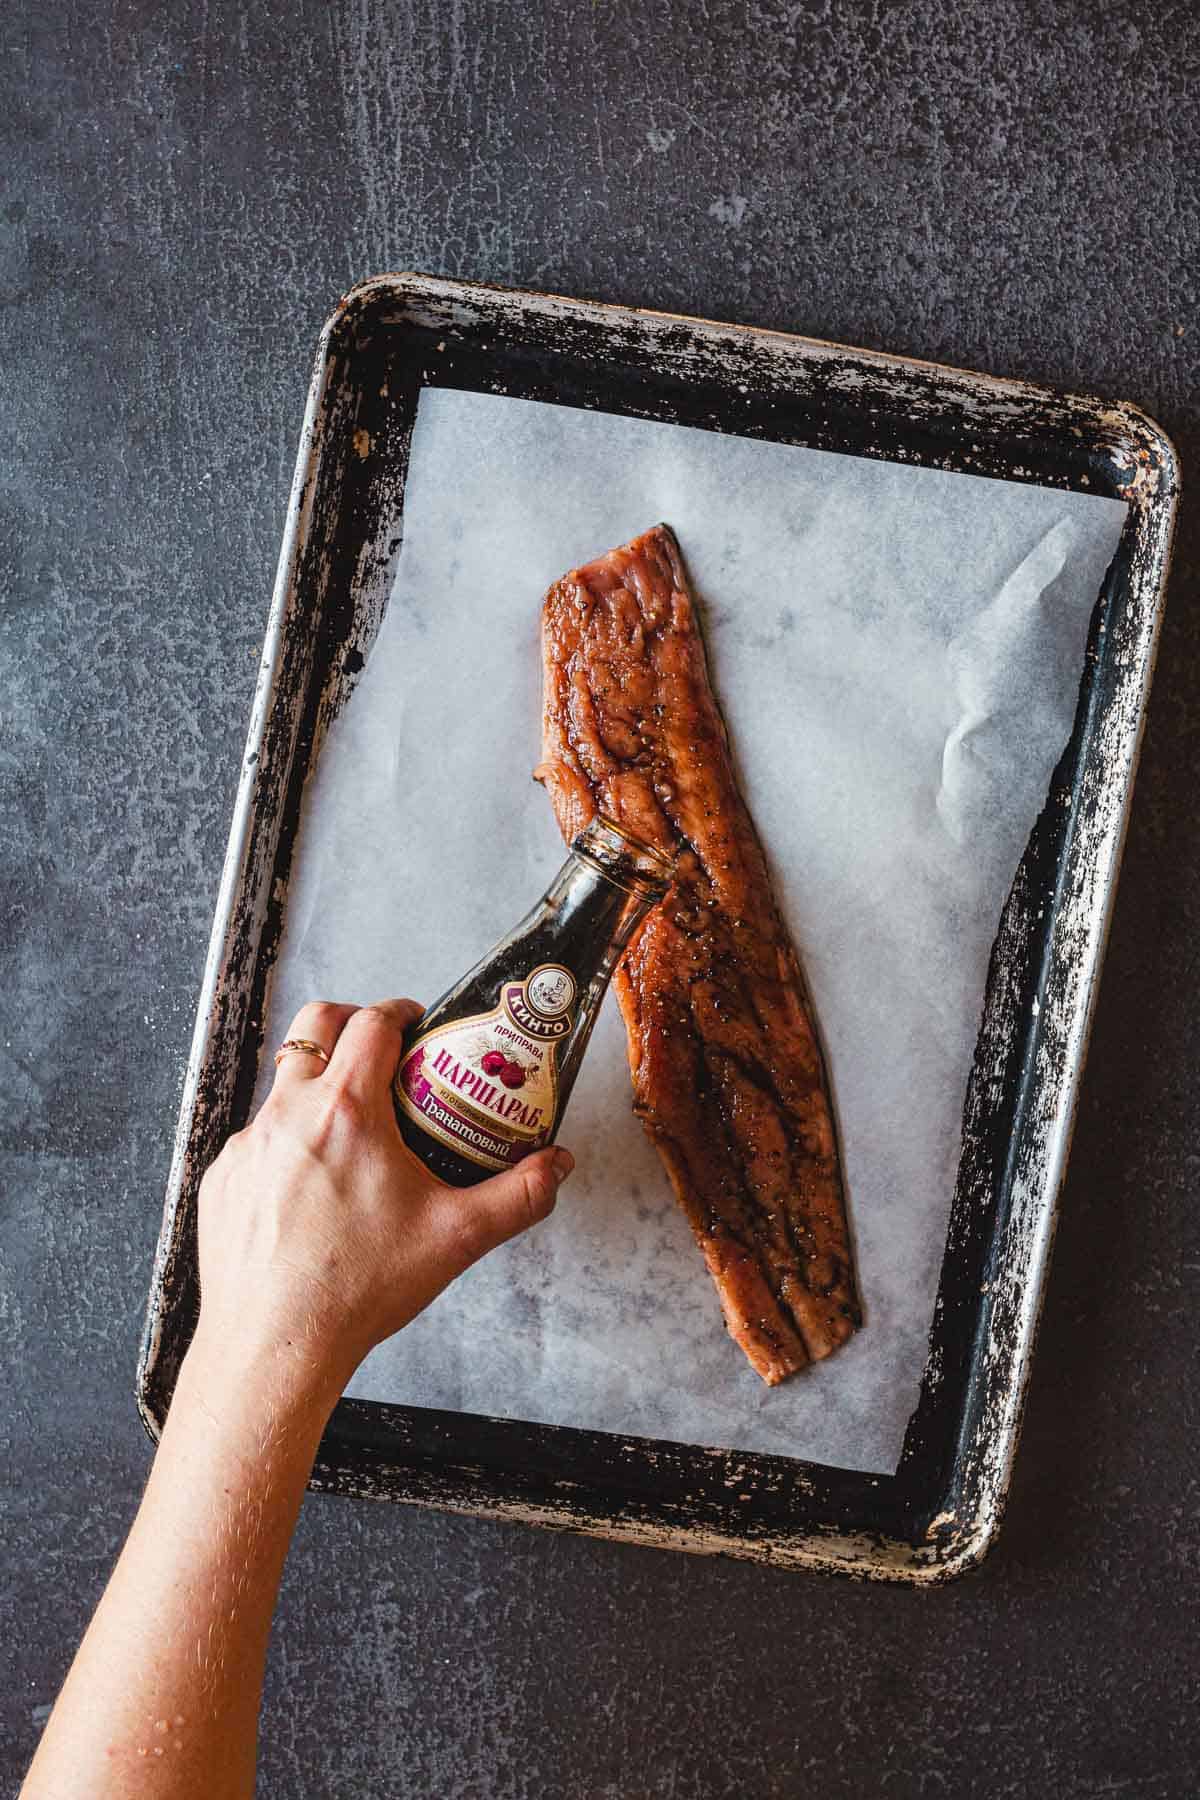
[(488, 1071)]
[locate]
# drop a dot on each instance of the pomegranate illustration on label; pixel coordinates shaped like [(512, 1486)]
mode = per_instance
[(487, 1074)]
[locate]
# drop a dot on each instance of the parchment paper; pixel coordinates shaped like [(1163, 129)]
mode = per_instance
[(898, 653)]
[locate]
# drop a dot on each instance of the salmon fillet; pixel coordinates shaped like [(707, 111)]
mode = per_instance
[(728, 1076)]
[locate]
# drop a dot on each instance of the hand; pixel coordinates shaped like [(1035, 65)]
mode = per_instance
[(320, 1232)]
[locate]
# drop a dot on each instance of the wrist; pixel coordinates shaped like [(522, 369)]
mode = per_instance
[(268, 1384)]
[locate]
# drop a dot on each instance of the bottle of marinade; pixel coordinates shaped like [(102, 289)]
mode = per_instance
[(487, 1074)]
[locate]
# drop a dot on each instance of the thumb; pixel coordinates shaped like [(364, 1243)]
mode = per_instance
[(477, 1219)]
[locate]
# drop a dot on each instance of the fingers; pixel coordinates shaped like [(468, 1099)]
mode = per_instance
[(369, 1048), (321, 1022), (471, 1221)]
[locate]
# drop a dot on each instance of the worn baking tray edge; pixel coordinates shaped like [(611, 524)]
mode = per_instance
[(1097, 841), (207, 1085), (1145, 471)]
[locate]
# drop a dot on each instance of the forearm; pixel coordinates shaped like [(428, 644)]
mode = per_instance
[(320, 1235), (163, 1698)]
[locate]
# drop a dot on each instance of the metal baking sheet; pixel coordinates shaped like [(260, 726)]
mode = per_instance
[(388, 340)]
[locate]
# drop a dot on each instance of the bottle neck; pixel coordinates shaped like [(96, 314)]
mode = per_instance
[(626, 860), (591, 917)]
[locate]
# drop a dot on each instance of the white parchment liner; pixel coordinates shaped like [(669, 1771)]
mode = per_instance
[(897, 653)]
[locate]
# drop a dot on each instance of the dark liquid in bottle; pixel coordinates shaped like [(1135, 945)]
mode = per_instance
[(489, 1069)]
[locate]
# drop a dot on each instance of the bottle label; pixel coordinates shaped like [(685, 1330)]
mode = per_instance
[(487, 1086)]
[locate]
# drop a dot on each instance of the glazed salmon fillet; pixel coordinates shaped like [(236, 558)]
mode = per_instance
[(728, 1076)]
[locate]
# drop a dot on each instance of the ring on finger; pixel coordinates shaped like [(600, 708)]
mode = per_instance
[(303, 1046)]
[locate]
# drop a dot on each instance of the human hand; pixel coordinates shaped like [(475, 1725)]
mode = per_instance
[(320, 1232)]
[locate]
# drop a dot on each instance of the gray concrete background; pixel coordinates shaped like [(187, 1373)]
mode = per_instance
[(185, 189)]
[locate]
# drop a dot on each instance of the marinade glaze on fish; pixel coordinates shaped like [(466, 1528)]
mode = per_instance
[(728, 1076)]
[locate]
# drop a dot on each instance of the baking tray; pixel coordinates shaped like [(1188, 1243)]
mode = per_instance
[(389, 338)]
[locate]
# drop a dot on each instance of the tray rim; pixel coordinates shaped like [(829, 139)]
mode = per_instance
[(1153, 477)]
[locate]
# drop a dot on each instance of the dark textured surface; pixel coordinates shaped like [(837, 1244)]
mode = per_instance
[(184, 190)]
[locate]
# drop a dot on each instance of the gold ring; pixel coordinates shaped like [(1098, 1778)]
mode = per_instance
[(304, 1045)]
